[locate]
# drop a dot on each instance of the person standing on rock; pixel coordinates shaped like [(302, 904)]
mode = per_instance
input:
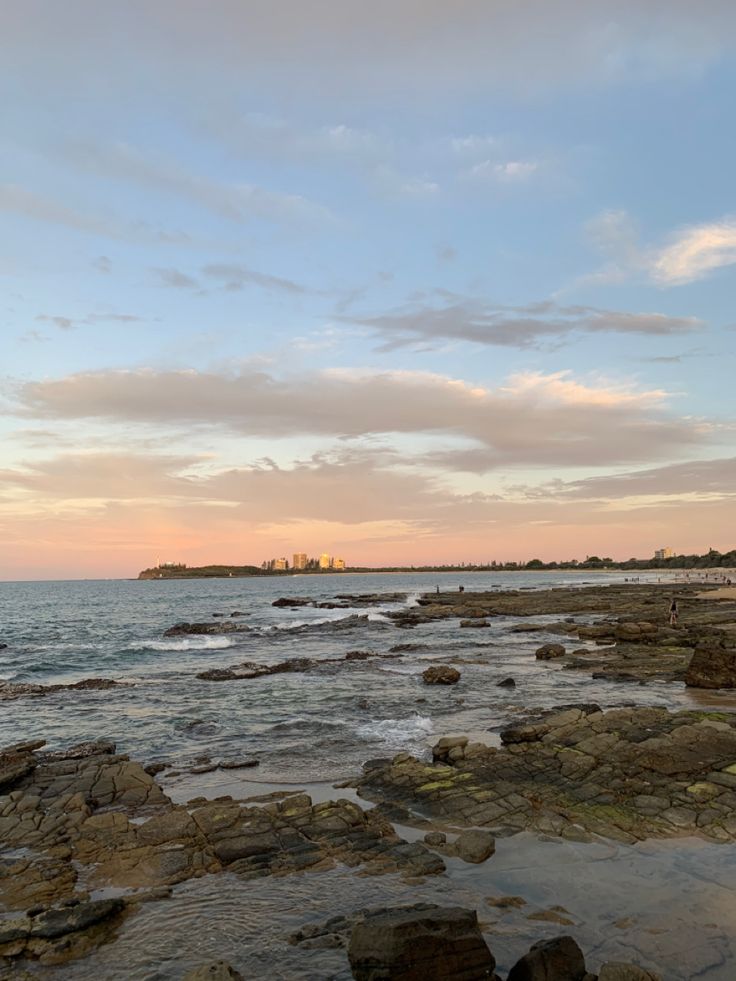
[(674, 613)]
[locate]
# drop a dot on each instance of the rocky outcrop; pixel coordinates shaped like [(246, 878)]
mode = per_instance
[(248, 669), (626, 774), (421, 943), (185, 629), (11, 690), (89, 819), (441, 674), (548, 652), (712, 667), (559, 959), (474, 846)]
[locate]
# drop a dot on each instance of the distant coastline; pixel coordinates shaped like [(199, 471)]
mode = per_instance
[(711, 561)]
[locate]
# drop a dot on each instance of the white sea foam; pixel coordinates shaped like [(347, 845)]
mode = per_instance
[(189, 644), (396, 732)]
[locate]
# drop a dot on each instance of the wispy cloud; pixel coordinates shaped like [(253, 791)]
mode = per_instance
[(68, 323), (15, 199), (689, 254), (467, 319), (240, 202)]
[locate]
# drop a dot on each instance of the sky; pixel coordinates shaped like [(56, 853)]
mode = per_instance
[(406, 282)]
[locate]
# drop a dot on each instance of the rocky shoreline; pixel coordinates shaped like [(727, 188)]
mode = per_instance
[(89, 835)]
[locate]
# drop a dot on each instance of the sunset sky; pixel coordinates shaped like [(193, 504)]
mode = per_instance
[(407, 282)]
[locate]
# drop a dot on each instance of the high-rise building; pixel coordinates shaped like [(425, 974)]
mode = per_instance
[(325, 561), (280, 565), (299, 560), (664, 553), (338, 565)]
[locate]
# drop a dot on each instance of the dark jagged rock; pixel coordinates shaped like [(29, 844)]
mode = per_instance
[(506, 683), (559, 959), (441, 674), (184, 629), (421, 943), (548, 652), (9, 690), (248, 669), (712, 667), (292, 601)]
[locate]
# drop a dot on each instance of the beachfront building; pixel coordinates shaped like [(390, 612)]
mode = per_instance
[(325, 561), (338, 565), (299, 560), (664, 553)]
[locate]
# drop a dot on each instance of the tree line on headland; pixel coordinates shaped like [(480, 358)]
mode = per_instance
[(712, 559)]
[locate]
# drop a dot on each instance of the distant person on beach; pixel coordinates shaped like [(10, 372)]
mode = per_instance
[(461, 589), (674, 613), (437, 588)]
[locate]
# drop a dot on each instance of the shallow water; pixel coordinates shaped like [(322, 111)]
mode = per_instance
[(327, 721), (667, 905)]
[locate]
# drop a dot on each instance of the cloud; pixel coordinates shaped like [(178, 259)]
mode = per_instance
[(15, 199), (533, 420), (409, 48), (68, 323), (694, 252), (705, 479), (468, 319), (103, 264), (509, 171), (239, 203), (236, 277), (690, 254), (176, 279)]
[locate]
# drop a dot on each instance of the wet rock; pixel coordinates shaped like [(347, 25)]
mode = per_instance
[(559, 959), (474, 846), (55, 923), (548, 652), (618, 971), (626, 774), (11, 690), (712, 667), (184, 629), (477, 622), (429, 943), (506, 683), (408, 648), (441, 674), (435, 838), (238, 764), (293, 601), (216, 971)]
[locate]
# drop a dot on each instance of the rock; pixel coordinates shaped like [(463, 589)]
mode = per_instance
[(506, 683), (293, 601), (184, 629), (559, 959), (712, 667), (238, 764), (478, 622), (618, 971), (429, 943), (441, 674), (435, 838), (216, 971), (548, 652), (3, 647), (55, 923), (474, 846)]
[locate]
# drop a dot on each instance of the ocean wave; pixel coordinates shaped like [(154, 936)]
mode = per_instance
[(188, 644), (396, 732)]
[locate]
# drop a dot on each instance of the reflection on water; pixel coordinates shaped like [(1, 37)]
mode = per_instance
[(665, 905)]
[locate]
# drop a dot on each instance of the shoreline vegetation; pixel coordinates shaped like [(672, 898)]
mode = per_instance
[(710, 561)]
